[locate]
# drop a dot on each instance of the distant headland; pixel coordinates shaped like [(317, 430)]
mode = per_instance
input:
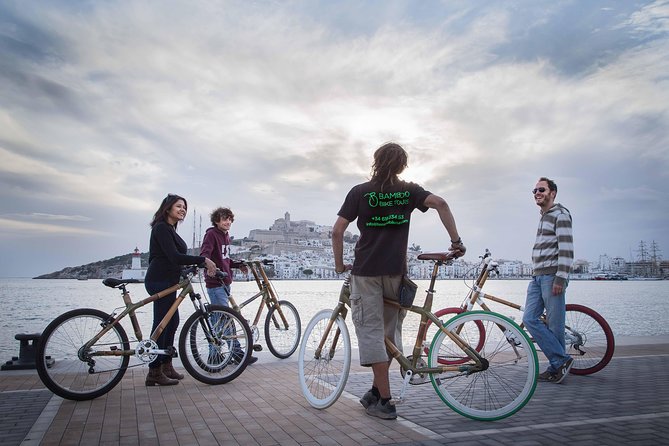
[(97, 270)]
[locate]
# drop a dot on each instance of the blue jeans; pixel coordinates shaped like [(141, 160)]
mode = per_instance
[(221, 296), (549, 337)]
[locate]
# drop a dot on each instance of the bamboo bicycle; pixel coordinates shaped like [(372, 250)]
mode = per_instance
[(282, 323), (588, 337), (489, 382), (84, 353)]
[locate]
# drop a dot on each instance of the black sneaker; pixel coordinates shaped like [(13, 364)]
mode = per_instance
[(546, 377), (563, 371), (238, 357), (369, 399), (385, 411)]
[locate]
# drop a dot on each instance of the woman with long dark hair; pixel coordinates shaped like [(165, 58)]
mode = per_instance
[(167, 253)]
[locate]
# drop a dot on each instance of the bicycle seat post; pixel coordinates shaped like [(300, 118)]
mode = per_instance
[(125, 294), (430, 291)]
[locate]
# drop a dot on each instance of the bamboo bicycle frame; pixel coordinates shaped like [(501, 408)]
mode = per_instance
[(426, 313), (186, 289), (477, 296), (266, 290)]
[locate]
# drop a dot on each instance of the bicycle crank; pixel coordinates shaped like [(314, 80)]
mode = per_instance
[(407, 378), (416, 378)]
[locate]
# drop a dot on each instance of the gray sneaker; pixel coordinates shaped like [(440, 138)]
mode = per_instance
[(385, 411), (563, 371), (368, 399)]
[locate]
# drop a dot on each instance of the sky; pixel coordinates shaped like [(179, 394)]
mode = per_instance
[(270, 107)]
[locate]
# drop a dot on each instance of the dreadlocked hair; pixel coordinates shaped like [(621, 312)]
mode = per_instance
[(390, 160)]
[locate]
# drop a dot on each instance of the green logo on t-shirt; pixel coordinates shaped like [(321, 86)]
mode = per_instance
[(386, 200)]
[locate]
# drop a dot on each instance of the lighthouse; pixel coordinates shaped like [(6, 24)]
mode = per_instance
[(136, 271)]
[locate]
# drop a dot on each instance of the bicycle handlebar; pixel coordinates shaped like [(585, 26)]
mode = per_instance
[(193, 269), (486, 259), (247, 262)]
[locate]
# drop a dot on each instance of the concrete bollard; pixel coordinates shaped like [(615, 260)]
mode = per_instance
[(27, 353)]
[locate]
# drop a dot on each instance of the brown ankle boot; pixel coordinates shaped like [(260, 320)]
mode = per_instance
[(156, 376), (169, 371)]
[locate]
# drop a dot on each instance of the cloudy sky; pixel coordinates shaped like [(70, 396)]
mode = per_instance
[(268, 107)]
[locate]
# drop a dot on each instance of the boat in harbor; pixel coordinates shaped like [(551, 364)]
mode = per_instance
[(609, 276)]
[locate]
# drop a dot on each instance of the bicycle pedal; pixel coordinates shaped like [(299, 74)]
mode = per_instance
[(257, 347)]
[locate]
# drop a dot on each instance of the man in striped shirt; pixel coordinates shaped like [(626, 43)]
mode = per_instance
[(552, 257)]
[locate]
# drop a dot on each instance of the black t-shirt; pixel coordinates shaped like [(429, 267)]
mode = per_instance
[(167, 252), (383, 220)]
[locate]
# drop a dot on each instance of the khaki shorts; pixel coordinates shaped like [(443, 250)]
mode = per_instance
[(372, 319)]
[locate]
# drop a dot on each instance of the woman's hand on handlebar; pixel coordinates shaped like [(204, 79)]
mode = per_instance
[(210, 266)]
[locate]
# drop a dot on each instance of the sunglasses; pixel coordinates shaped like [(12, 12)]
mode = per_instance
[(539, 189)]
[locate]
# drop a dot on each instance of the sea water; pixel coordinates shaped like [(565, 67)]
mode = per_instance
[(632, 308)]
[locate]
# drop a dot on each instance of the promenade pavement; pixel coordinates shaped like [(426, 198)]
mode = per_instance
[(626, 403)]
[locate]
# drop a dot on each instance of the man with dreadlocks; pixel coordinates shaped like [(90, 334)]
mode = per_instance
[(383, 207)]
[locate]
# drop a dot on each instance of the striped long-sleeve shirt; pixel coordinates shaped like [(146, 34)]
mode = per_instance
[(553, 251)]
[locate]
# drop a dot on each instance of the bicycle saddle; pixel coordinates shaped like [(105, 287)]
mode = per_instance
[(113, 283), (438, 256)]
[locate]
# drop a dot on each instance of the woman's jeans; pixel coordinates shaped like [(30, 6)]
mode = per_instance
[(549, 337), (160, 309)]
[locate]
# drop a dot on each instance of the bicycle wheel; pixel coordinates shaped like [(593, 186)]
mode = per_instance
[(73, 373), (588, 338), (215, 346), (509, 380), (323, 373), (431, 331), (283, 333)]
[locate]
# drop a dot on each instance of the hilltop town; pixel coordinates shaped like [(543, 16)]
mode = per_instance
[(302, 249)]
